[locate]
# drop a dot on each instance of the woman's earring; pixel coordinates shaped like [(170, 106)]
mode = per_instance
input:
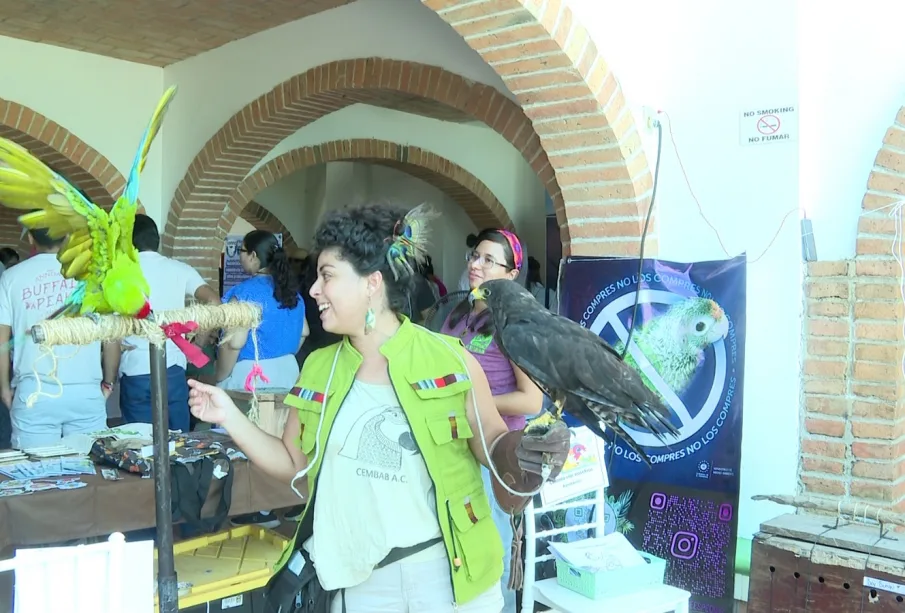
[(370, 319)]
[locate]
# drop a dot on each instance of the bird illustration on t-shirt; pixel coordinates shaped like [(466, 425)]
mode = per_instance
[(379, 438)]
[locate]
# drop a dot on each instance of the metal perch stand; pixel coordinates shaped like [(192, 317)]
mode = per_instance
[(84, 331)]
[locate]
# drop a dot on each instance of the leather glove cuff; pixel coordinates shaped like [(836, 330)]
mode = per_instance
[(505, 460)]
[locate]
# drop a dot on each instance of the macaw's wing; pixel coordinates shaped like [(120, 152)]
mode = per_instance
[(26, 183), (123, 213), (55, 205)]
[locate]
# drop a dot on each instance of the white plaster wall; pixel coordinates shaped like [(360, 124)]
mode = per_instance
[(703, 62), (852, 84)]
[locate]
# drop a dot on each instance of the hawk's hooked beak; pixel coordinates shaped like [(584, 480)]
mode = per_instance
[(477, 294)]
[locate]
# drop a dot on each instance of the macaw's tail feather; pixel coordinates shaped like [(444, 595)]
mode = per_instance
[(73, 305), (141, 156), (67, 310)]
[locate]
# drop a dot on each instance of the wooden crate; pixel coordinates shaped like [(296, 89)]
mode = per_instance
[(801, 563), (272, 413)]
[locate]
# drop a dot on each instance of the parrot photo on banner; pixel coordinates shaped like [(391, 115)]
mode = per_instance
[(674, 341), (574, 367), (97, 251)]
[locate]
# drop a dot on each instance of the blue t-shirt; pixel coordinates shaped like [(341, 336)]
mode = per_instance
[(281, 329)]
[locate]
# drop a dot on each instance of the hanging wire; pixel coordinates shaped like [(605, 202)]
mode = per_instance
[(650, 211), (631, 330)]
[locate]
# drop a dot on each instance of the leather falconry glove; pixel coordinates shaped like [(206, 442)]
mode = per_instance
[(519, 459)]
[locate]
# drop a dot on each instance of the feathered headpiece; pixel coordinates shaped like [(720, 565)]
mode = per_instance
[(409, 241)]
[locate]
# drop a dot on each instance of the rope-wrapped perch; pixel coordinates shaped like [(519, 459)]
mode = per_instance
[(112, 328), (855, 510), (106, 328)]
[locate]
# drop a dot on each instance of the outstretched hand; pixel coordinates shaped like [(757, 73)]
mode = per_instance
[(210, 403)]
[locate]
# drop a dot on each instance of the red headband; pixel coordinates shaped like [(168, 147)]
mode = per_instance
[(516, 247)]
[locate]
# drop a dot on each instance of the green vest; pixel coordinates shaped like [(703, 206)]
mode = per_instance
[(431, 382)]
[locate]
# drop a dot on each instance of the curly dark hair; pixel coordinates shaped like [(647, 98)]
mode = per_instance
[(272, 257), (362, 236)]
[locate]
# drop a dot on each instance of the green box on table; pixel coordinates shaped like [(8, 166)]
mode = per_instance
[(612, 583)]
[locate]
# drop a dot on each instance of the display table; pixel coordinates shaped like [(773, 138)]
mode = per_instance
[(103, 507)]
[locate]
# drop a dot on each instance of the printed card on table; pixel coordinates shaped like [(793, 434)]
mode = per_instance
[(583, 472)]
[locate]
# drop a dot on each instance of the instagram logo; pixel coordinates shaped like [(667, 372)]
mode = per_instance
[(657, 501), (725, 513), (684, 545)]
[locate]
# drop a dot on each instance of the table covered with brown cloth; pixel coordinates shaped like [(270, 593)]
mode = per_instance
[(105, 506)]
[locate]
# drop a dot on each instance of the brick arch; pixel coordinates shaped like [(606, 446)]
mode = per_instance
[(262, 219), (853, 442), (573, 126), (65, 153), (462, 187)]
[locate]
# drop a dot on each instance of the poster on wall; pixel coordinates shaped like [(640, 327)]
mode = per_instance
[(689, 344), (232, 267)]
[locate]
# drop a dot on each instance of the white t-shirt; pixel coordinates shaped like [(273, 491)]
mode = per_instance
[(373, 492), (30, 292), (170, 281)]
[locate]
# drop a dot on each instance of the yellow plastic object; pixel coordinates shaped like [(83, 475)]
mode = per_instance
[(226, 564)]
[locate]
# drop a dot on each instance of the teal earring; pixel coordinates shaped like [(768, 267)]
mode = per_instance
[(370, 320)]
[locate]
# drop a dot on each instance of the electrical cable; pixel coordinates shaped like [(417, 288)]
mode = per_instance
[(648, 217), (650, 211)]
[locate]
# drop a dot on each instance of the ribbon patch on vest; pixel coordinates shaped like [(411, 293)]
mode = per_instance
[(433, 384), (454, 427), (306, 394), (470, 510)]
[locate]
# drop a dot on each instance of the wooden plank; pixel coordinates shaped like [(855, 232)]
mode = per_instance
[(853, 537)]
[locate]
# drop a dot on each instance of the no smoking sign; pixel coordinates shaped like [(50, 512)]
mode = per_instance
[(768, 125)]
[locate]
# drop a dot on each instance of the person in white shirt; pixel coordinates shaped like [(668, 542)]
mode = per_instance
[(171, 283), (63, 384)]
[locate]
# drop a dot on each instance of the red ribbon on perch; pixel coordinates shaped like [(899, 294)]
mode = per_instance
[(256, 373), (176, 332)]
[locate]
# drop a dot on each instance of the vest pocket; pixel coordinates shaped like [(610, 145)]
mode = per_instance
[(309, 417), (448, 429), (440, 386), (473, 532)]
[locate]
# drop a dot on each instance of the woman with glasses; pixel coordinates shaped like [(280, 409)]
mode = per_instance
[(497, 254)]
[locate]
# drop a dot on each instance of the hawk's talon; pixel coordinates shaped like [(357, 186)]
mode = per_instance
[(540, 425)]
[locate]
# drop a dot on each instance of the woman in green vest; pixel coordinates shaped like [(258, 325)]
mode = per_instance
[(389, 441)]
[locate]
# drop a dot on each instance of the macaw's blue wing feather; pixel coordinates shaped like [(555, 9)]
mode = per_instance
[(141, 156)]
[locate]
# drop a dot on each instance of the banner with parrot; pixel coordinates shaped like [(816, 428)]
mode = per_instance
[(689, 346)]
